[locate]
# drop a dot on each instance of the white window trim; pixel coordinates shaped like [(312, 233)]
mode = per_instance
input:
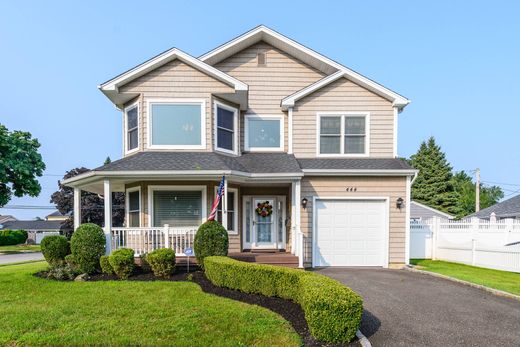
[(342, 115), (235, 209), (152, 189), (169, 101), (127, 205), (247, 117), (125, 129), (217, 105)]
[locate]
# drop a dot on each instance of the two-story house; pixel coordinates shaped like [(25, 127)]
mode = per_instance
[(297, 135)]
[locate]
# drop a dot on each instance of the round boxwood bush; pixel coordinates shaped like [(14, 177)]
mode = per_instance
[(55, 248), (106, 268), (211, 239), (88, 245), (162, 262), (122, 262)]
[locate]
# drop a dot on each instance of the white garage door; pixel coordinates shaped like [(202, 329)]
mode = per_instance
[(350, 233)]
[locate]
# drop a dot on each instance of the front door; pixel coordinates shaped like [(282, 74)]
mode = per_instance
[(264, 222)]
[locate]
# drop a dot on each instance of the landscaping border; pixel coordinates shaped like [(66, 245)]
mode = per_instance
[(496, 292)]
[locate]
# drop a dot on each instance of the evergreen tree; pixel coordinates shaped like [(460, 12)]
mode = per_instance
[(107, 161), (433, 185)]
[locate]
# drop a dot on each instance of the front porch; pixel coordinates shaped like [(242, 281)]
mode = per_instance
[(167, 214)]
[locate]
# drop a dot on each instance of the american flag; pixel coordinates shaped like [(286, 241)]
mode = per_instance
[(214, 207)]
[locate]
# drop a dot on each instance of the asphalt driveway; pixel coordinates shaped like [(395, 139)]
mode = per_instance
[(411, 309)]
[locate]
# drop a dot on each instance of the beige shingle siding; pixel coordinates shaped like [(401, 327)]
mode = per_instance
[(268, 85), (343, 96), (392, 187), (176, 80)]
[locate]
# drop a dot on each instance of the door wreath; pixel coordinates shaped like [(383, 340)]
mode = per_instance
[(264, 209)]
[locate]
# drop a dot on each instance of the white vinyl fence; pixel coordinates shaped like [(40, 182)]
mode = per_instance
[(494, 245)]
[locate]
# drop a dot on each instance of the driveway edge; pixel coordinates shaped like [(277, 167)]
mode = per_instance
[(363, 339), (474, 285)]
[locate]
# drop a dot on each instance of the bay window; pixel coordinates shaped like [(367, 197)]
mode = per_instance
[(226, 132), (131, 128), (343, 134), (177, 124), (263, 133)]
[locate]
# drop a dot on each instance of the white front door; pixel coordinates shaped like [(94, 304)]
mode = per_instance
[(264, 222)]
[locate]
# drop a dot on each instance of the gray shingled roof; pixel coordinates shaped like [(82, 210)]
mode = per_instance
[(205, 161), (354, 164), (509, 208), (32, 225), (248, 162)]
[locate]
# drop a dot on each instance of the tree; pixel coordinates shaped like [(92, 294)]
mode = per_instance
[(20, 165), (433, 185), (465, 187), (92, 205), (107, 161)]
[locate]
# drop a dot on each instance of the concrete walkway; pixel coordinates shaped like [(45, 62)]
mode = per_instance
[(17, 258), (411, 309)]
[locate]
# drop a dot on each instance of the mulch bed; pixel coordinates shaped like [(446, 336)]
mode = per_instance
[(289, 310)]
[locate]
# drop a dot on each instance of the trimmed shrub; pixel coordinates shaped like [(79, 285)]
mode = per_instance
[(88, 245), (69, 259), (332, 311), (211, 240), (55, 248), (12, 237), (106, 268), (162, 262), (122, 262)]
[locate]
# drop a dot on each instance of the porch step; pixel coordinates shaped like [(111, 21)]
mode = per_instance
[(278, 258)]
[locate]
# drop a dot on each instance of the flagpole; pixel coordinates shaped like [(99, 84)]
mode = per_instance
[(225, 204)]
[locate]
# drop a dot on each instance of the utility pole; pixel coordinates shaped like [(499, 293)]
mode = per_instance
[(477, 190)]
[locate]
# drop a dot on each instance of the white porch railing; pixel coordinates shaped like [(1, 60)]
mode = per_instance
[(146, 240)]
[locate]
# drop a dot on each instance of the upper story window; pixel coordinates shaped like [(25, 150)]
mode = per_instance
[(226, 126), (177, 124), (263, 133), (343, 134), (131, 128)]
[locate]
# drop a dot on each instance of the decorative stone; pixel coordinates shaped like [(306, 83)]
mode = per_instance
[(81, 278)]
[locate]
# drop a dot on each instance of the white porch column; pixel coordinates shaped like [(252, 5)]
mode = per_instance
[(108, 214), (290, 130), (294, 206), (295, 217), (225, 205), (77, 207)]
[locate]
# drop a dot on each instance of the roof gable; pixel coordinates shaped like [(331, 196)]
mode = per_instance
[(303, 53)]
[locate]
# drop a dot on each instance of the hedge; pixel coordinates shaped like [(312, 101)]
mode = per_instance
[(12, 237), (332, 311)]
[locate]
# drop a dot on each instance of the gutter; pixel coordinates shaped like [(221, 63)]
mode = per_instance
[(342, 172)]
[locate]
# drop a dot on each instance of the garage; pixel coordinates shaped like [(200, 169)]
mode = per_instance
[(350, 232)]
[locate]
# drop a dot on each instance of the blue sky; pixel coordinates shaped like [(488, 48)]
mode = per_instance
[(458, 63)]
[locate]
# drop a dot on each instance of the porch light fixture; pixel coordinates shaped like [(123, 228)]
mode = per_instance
[(399, 203), (304, 202)]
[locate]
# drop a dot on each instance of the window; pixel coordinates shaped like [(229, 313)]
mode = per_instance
[(261, 58), (232, 211), (226, 120), (264, 133), (180, 206), (132, 128), (343, 134), (133, 207), (177, 124)]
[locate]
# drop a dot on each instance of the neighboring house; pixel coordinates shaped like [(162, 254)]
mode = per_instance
[(6, 218), (305, 137), (56, 215), (37, 229), (509, 208), (419, 212)]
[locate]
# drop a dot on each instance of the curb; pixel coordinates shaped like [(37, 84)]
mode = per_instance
[(363, 339), (496, 292)]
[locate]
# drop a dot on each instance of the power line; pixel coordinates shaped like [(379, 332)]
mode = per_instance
[(502, 184)]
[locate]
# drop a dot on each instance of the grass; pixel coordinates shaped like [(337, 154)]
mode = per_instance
[(23, 248), (501, 280), (35, 311)]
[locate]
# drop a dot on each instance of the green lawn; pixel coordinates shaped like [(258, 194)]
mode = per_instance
[(19, 249), (501, 280), (36, 311)]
